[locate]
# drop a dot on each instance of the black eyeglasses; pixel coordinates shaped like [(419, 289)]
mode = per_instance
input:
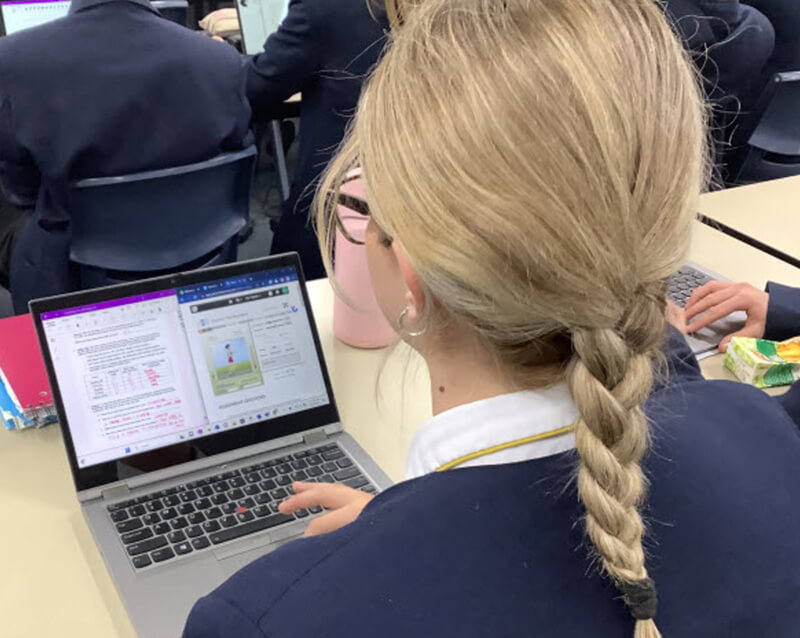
[(355, 204)]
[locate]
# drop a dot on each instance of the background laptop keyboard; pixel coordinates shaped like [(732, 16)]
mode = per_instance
[(200, 514), (683, 284)]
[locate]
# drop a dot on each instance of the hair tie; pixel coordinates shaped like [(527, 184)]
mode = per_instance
[(641, 597)]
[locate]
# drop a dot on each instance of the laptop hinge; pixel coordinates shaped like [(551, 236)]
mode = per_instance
[(117, 490), (315, 438)]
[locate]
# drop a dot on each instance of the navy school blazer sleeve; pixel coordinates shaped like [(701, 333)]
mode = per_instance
[(19, 177), (783, 312), (242, 606), (217, 617), (783, 322), (682, 365), (291, 56), (791, 402)]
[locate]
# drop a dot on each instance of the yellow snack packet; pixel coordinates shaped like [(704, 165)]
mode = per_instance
[(764, 363)]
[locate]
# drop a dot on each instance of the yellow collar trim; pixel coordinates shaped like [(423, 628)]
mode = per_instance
[(504, 446)]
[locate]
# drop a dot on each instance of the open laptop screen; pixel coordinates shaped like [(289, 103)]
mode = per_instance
[(258, 19), (24, 14), (184, 361)]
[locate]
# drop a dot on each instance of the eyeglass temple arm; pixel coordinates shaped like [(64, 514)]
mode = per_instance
[(356, 204)]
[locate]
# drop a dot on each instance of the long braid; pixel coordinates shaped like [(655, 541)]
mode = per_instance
[(609, 378)]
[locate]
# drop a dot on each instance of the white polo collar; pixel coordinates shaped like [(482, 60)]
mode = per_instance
[(491, 422)]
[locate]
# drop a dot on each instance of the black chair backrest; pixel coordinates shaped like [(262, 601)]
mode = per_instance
[(160, 220), (774, 145), (176, 11)]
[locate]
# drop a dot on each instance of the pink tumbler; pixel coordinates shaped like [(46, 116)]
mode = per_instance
[(361, 324)]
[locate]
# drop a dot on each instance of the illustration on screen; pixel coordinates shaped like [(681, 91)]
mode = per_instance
[(232, 362)]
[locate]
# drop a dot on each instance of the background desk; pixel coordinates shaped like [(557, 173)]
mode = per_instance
[(768, 212), (52, 578)]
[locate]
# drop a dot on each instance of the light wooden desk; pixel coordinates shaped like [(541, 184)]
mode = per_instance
[(52, 578), (768, 212)]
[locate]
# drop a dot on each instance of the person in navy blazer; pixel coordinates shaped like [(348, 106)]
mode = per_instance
[(324, 49), (527, 205), (113, 88)]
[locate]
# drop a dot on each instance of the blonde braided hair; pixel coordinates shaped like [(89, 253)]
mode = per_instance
[(539, 161), (609, 379)]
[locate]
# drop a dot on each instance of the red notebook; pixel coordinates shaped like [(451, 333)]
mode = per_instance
[(22, 364)]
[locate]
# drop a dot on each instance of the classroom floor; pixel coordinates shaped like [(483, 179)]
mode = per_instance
[(265, 204)]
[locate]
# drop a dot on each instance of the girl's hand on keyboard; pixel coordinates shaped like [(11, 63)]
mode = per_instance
[(676, 316), (718, 299), (344, 502)]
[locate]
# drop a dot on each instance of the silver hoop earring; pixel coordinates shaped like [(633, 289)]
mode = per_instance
[(410, 333)]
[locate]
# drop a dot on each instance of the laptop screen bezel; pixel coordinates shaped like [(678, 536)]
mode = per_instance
[(259, 432), (2, 23)]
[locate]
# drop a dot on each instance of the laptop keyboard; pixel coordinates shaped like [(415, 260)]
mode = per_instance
[(200, 514), (683, 284)]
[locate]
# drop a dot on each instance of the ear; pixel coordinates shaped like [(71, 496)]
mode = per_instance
[(415, 292)]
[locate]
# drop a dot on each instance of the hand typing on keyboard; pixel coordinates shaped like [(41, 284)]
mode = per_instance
[(345, 502), (676, 316), (718, 299)]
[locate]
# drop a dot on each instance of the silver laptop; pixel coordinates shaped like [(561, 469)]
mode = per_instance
[(258, 19), (189, 404), (686, 280)]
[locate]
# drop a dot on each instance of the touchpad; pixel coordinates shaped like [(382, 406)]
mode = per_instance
[(235, 556), (243, 545), (245, 553)]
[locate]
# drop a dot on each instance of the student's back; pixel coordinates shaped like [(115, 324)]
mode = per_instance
[(113, 88), (495, 551), (528, 204), (324, 49)]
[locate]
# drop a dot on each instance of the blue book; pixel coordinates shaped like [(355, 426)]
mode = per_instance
[(10, 414)]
